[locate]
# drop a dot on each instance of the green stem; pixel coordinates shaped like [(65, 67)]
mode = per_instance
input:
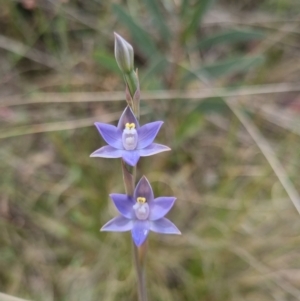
[(139, 263), (132, 82), (129, 177)]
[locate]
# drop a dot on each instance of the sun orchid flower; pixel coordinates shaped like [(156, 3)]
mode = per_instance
[(128, 140), (141, 213)]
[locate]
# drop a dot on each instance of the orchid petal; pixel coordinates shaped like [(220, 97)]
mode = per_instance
[(147, 133), (111, 134), (153, 149), (143, 189), (124, 204), (131, 157), (127, 117), (140, 232), (107, 151), (164, 226), (118, 224), (159, 207)]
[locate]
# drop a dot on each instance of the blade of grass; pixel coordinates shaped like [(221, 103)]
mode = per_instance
[(5, 297), (30, 53), (57, 126), (228, 67), (107, 60), (269, 154), (195, 95), (140, 37), (287, 121), (159, 19), (199, 11), (265, 270), (230, 36), (184, 7)]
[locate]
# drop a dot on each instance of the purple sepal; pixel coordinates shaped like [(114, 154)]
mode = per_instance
[(144, 189), (140, 232), (164, 226), (124, 204), (118, 224), (127, 117), (107, 151), (159, 207), (153, 149), (147, 133), (131, 157), (111, 134)]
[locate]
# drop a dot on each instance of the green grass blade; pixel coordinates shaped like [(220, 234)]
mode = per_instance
[(152, 76), (107, 60), (158, 19), (195, 121), (184, 7), (140, 36), (199, 11), (228, 67), (230, 37)]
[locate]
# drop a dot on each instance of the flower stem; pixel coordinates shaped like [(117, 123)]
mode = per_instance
[(139, 262), (129, 177)]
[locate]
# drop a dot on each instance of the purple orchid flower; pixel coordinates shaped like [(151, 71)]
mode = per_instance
[(141, 213), (128, 140)]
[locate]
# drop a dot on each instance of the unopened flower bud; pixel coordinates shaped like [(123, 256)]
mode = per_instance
[(123, 54)]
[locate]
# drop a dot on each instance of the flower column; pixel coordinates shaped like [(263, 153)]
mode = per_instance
[(139, 211)]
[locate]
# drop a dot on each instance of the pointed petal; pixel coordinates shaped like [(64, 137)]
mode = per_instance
[(143, 189), (111, 134), (107, 151), (153, 149), (147, 133), (140, 232), (159, 207), (131, 157), (127, 117), (118, 224), (164, 226), (124, 204)]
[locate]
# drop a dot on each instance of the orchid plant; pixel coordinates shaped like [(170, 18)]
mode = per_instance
[(139, 211)]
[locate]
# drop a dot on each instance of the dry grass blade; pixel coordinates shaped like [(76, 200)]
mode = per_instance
[(57, 126), (221, 16), (4, 297), (277, 37), (30, 53), (263, 269), (269, 154), (153, 95), (288, 121)]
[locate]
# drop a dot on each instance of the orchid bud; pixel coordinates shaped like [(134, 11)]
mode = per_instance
[(123, 54)]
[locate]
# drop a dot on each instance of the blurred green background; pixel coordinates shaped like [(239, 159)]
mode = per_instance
[(223, 75)]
